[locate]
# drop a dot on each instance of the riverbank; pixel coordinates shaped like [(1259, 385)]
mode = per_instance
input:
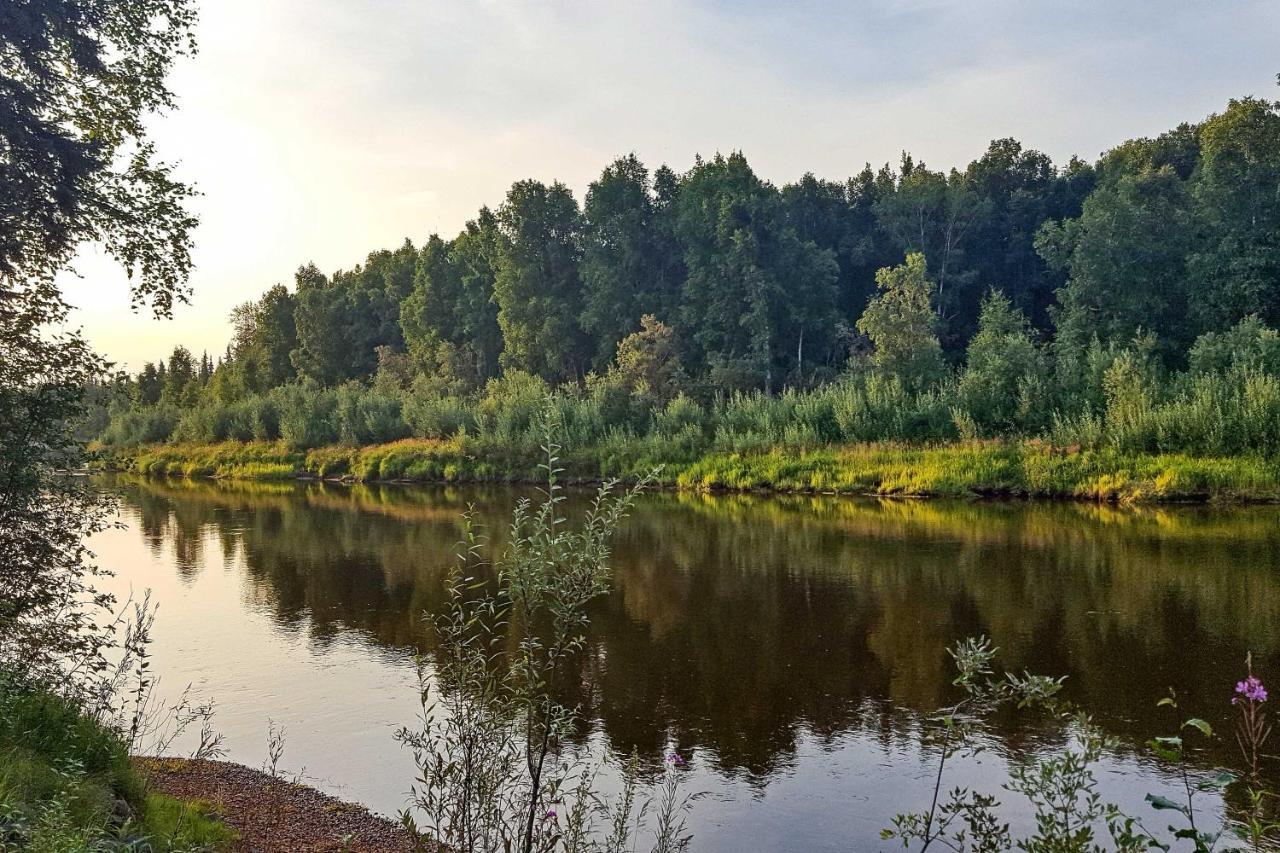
[(963, 469), (272, 815), (67, 783)]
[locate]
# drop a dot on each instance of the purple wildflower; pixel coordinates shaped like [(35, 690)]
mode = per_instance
[(675, 759), (1251, 689), (550, 815)]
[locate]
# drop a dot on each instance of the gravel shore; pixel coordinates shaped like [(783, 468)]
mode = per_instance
[(273, 814)]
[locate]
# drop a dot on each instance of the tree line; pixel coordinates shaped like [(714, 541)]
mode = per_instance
[(716, 281)]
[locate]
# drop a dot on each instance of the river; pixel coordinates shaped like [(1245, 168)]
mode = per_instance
[(788, 647)]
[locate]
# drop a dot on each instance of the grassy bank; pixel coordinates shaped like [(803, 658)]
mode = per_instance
[(1020, 469), (67, 783)]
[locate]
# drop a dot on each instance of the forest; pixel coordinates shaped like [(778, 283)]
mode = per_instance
[(1130, 304)]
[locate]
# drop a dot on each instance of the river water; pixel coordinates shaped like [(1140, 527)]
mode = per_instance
[(788, 647)]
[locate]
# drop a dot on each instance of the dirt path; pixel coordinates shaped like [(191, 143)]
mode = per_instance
[(272, 814)]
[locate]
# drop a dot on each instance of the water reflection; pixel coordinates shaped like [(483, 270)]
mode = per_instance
[(758, 630), (737, 622)]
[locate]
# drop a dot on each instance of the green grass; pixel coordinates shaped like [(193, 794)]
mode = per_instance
[(63, 776), (956, 469), (1027, 469), (175, 825), (257, 460)]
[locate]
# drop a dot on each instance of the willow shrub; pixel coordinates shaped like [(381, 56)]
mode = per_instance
[(251, 419), (367, 416), (1234, 413), (430, 416), (135, 427), (306, 416), (494, 749)]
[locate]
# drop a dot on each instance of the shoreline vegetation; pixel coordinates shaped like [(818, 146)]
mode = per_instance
[(976, 469), (1104, 331), (68, 782)]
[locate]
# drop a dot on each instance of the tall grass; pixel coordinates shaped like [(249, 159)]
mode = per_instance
[(67, 783), (1118, 415)]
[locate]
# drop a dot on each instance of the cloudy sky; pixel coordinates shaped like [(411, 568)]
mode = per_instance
[(318, 130)]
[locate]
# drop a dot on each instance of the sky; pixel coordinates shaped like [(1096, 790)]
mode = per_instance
[(319, 130)]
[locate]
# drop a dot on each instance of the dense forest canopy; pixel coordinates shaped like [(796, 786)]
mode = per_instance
[(1015, 283)]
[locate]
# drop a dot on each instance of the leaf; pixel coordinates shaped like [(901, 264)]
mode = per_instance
[(1168, 749), (1166, 702), (1163, 803), (1200, 725), (1222, 780)]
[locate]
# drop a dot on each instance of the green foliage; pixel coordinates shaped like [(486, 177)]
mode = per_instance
[(1249, 346), (986, 469), (430, 416), (140, 426), (450, 320), (1070, 815), (900, 323), (1125, 257), (64, 776), (1234, 268), (265, 336), (1003, 388), (509, 406), (81, 81), (647, 364), (78, 163), (1189, 436), (717, 311), (631, 264), (928, 215), (494, 772), (537, 289), (363, 417), (754, 291), (307, 416)]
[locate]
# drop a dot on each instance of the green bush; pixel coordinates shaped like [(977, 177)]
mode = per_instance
[(431, 416), (510, 406), (306, 416), (363, 416), (1113, 399), (134, 427), (62, 774)]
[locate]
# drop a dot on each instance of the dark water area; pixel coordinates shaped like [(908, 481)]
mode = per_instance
[(788, 646)]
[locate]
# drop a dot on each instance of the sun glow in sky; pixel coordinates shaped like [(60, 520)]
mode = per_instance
[(318, 130)]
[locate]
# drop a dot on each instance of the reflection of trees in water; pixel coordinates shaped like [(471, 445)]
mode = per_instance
[(738, 623)]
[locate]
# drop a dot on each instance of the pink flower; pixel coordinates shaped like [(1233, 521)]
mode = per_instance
[(1251, 689)]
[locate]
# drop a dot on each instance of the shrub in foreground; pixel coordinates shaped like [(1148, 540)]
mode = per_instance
[(67, 783)]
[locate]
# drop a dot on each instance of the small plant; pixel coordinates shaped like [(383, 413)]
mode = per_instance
[(1253, 730), (275, 748), (210, 745), (1174, 749), (1069, 812), (494, 770), (672, 834), (965, 819)]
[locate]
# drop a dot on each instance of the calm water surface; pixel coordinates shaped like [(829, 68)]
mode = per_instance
[(787, 646)]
